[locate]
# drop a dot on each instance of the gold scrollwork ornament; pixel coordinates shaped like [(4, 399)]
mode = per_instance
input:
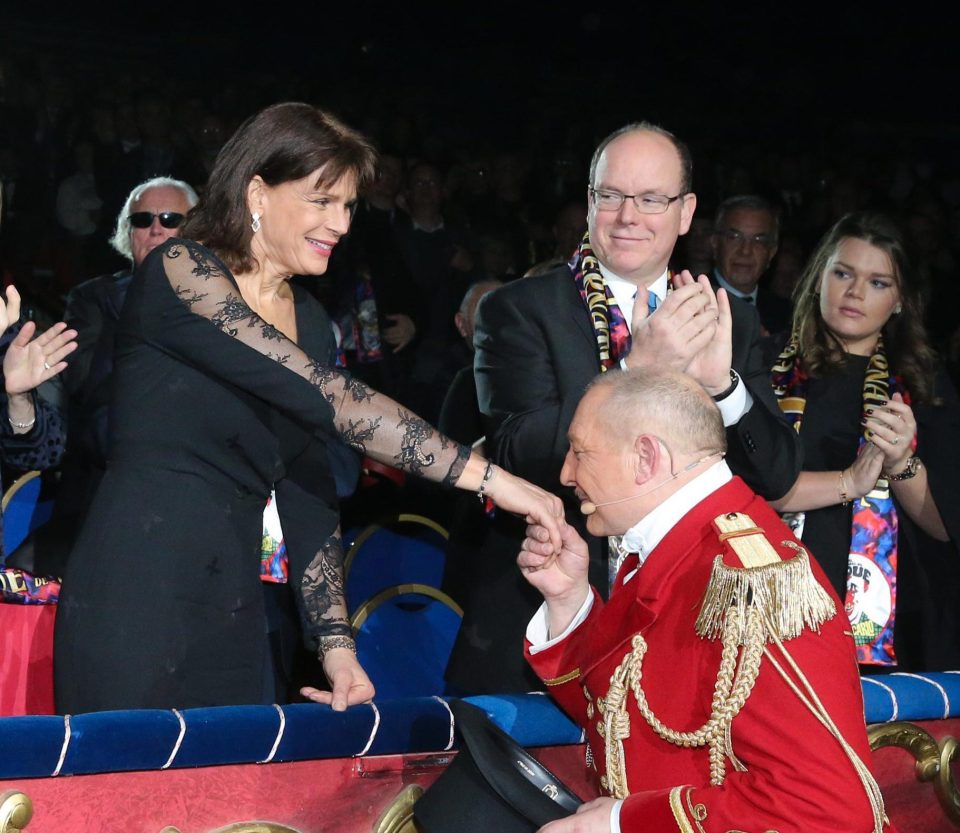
[(16, 810), (933, 761), (398, 817)]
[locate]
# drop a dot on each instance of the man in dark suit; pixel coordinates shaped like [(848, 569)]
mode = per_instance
[(541, 340), (746, 231)]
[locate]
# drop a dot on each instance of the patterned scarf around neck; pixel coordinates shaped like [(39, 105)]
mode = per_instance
[(871, 590), (609, 326)]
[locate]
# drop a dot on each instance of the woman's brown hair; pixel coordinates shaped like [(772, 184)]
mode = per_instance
[(282, 143), (905, 339)]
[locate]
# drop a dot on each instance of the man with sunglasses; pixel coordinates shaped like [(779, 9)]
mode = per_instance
[(152, 213), (541, 340)]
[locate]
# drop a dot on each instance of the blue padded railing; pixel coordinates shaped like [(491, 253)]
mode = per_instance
[(120, 741)]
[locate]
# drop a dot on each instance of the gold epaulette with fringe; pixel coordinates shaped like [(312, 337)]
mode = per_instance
[(784, 591)]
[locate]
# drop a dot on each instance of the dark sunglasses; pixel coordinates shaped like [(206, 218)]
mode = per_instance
[(144, 219)]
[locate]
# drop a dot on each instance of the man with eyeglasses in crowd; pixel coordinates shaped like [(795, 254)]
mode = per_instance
[(540, 341), (745, 235), (153, 212)]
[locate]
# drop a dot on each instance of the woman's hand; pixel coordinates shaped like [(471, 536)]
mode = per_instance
[(894, 431), (31, 361), (862, 476), (349, 682), (535, 505)]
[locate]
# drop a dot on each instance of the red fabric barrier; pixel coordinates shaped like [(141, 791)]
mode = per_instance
[(348, 795), (26, 659)]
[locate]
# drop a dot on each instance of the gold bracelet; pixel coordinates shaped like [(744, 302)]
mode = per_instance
[(844, 497)]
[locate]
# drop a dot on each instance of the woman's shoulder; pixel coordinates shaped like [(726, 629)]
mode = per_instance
[(200, 256), (183, 262)]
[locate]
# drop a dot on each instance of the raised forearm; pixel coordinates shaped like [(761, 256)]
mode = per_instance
[(815, 490)]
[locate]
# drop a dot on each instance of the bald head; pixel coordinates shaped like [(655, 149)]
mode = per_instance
[(638, 437), (668, 404)]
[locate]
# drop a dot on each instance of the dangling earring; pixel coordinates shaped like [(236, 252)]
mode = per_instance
[(255, 225), (898, 309)]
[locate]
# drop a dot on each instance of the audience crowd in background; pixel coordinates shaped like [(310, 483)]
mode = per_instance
[(457, 204)]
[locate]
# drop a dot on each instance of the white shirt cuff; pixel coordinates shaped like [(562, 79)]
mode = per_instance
[(537, 631), (733, 407), (615, 816)]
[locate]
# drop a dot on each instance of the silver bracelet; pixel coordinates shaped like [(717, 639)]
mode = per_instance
[(23, 426), (328, 643), (487, 477)]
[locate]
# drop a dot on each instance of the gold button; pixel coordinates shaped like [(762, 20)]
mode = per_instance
[(604, 783)]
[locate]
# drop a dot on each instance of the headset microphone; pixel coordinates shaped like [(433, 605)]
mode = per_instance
[(588, 507)]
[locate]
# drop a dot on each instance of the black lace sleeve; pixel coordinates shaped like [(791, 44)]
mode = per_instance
[(247, 351)]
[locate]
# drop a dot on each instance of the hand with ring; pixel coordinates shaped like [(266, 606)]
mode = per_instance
[(893, 429), (32, 359)]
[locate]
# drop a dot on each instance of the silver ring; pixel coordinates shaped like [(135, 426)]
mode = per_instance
[(46, 366), (896, 439)]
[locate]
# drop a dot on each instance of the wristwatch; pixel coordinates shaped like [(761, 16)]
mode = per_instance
[(910, 470), (734, 381)]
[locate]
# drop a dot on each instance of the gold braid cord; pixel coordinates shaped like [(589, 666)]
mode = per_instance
[(734, 683), (766, 600)]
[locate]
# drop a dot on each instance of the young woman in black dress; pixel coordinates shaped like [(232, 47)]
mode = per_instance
[(876, 502)]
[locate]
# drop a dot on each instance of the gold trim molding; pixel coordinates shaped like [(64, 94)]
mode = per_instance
[(933, 761), (16, 810), (398, 817), (246, 827)]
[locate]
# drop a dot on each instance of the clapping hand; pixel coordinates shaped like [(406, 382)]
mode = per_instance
[(711, 365), (865, 471), (690, 332), (893, 429), (30, 361)]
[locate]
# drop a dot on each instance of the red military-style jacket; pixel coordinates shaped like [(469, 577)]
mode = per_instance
[(797, 778)]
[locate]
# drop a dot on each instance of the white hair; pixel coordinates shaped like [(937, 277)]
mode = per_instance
[(121, 235)]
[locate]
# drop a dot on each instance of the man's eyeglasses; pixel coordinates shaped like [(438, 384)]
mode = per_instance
[(735, 237), (645, 203), (738, 237), (168, 219)]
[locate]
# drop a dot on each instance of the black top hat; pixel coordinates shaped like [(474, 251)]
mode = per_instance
[(492, 784)]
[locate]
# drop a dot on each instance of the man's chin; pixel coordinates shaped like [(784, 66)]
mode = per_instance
[(597, 526)]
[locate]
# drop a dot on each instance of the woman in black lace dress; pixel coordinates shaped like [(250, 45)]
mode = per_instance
[(877, 499), (215, 405)]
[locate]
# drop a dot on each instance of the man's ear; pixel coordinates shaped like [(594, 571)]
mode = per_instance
[(460, 322), (646, 449), (688, 205)]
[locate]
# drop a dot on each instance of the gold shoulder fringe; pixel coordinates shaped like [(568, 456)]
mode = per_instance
[(785, 592)]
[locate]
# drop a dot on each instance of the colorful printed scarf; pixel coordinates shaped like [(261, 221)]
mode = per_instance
[(19, 587), (609, 325), (871, 594)]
